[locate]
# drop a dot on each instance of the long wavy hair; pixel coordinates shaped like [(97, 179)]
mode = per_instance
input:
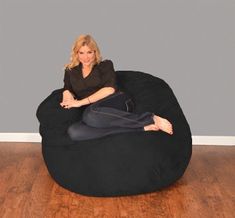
[(79, 42)]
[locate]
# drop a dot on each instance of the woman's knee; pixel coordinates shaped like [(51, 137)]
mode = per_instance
[(90, 116), (76, 132)]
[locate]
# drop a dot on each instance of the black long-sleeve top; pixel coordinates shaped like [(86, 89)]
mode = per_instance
[(101, 75)]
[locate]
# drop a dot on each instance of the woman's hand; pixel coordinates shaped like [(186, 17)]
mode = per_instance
[(69, 103)]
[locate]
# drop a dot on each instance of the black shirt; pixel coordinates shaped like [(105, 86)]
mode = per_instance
[(101, 75)]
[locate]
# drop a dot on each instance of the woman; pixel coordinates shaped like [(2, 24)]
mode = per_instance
[(91, 82)]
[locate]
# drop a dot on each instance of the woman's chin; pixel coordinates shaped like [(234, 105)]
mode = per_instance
[(87, 64)]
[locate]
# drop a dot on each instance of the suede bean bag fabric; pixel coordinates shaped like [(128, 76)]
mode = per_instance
[(121, 164)]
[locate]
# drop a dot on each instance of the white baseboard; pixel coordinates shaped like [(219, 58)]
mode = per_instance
[(20, 137), (213, 140), (197, 140)]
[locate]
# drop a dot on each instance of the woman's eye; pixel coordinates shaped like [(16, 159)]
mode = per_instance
[(89, 52)]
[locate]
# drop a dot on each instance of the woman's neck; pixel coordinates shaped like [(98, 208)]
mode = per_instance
[(87, 68)]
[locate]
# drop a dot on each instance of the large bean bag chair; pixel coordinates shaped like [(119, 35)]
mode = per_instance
[(124, 163)]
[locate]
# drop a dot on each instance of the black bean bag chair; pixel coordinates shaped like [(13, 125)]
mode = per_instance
[(124, 163)]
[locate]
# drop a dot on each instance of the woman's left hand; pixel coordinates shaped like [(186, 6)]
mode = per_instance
[(71, 103)]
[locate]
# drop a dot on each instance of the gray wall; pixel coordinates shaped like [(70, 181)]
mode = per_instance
[(189, 44)]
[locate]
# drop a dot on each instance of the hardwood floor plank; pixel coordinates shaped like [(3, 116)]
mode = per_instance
[(58, 205), (40, 194), (20, 162), (218, 180), (19, 188)]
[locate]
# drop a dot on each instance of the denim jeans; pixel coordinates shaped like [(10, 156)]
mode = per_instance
[(110, 115)]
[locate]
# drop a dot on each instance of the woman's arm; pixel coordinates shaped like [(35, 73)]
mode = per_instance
[(67, 95), (100, 94)]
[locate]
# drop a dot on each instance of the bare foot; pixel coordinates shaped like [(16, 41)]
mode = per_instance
[(163, 124), (151, 127)]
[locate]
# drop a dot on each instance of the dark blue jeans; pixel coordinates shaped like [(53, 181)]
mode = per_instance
[(110, 115)]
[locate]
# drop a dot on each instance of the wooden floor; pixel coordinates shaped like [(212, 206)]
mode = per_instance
[(207, 189)]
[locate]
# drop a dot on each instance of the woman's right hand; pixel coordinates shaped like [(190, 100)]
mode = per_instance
[(67, 97), (65, 102), (70, 103)]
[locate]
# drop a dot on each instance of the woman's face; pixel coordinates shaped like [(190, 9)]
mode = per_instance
[(86, 56)]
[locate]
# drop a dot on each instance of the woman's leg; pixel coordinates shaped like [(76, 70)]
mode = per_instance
[(109, 116), (80, 131), (113, 112)]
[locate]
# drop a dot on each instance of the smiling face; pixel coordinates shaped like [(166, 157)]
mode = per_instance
[(86, 56)]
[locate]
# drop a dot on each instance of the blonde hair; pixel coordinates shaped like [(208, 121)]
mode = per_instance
[(79, 42)]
